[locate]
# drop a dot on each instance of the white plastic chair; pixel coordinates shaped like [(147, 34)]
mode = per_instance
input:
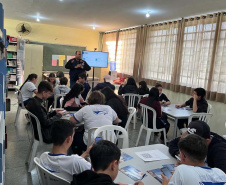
[(90, 132), (224, 136), (48, 178), (35, 143), (20, 106), (56, 97), (107, 132), (200, 116), (209, 108), (132, 111), (132, 98), (144, 112)]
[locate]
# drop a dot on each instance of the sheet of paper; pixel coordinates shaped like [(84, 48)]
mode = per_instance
[(132, 172), (70, 57), (56, 57), (151, 155), (125, 157), (61, 62), (61, 57), (54, 62)]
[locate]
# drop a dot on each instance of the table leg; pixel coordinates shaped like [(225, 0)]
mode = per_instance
[(175, 128)]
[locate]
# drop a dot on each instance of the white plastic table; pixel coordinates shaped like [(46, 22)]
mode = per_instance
[(177, 113), (143, 166)]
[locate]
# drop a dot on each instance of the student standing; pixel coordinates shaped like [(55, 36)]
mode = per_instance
[(28, 88), (76, 66)]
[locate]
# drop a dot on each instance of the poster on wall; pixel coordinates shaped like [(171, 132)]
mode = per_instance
[(60, 60)]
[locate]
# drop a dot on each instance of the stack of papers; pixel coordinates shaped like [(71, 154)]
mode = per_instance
[(151, 155)]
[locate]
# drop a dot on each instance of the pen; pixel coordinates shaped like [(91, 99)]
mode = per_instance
[(143, 176)]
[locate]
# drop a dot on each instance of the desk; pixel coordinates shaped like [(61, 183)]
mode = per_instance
[(143, 166), (176, 113)]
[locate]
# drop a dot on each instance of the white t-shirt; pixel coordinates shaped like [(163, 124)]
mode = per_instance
[(63, 165), (195, 175), (95, 116), (27, 90)]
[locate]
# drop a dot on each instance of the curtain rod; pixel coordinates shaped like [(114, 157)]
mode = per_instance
[(163, 22)]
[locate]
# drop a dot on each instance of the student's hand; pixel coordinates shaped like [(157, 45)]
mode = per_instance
[(86, 153), (138, 183), (165, 180), (78, 65), (195, 96), (178, 163), (62, 112), (178, 106)]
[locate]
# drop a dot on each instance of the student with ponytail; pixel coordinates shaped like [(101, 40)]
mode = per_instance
[(153, 102), (28, 88)]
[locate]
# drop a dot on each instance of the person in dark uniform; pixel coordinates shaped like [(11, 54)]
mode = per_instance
[(76, 66)]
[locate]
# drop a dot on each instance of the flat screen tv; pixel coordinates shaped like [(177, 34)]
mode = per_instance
[(95, 58)]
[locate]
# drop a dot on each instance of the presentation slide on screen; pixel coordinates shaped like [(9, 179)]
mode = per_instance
[(95, 58)]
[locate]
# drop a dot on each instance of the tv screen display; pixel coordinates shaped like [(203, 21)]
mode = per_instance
[(95, 58)]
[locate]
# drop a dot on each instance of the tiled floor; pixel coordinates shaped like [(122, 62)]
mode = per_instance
[(18, 144)]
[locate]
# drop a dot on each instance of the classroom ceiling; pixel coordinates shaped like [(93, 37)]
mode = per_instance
[(107, 15)]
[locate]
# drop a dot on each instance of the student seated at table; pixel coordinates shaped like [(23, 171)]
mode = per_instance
[(57, 161), (216, 156), (28, 88), (129, 86), (117, 103), (106, 83), (162, 97), (192, 171), (60, 74), (96, 114), (153, 102), (198, 104), (104, 157), (52, 80), (82, 80), (35, 106), (143, 88), (62, 88), (73, 100)]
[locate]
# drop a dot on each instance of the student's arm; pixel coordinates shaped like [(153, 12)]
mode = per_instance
[(35, 91), (167, 101), (116, 121), (78, 116), (114, 117), (179, 106), (195, 107), (96, 88)]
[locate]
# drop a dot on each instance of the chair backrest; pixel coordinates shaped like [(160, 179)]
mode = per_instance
[(56, 96), (61, 102), (209, 108), (47, 177), (201, 116), (20, 99), (132, 111), (144, 112), (38, 126), (90, 132), (132, 100), (107, 132)]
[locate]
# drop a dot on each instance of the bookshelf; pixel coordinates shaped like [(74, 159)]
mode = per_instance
[(12, 63)]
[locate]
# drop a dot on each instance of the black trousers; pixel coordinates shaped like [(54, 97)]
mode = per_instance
[(78, 145)]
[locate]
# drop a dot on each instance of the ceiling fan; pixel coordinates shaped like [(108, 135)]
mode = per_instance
[(23, 29)]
